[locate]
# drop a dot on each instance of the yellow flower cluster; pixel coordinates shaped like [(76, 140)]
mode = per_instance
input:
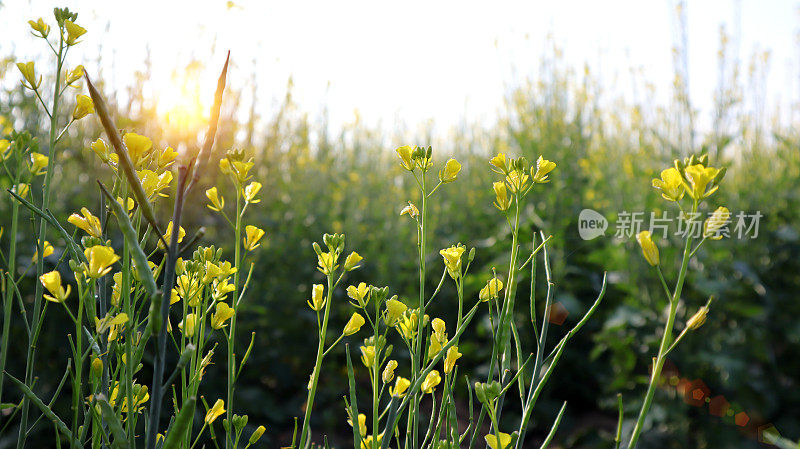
[(517, 182)]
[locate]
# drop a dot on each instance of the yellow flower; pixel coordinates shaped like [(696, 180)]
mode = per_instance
[(256, 435), (52, 282), (167, 157), (411, 210), (251, 191), (326, 262), (439, 327), (212, 272), (501, 163), (452, 260), (699, 176), (5, 149), (252, 236), (237, 169), (450, 358), (73, 75), (73, 32), (431, 381), (649, 249), (153, 183), (367, 443), (127, 204), (362, 423), (215, 412), (388, 371), (543, 167), (84, 107), (434, 348), (491, 440), (352, 261), (517, 180), (400, 387), (38, 163), (670, 184), (405, 156), (47, 250), (40, 27), (223, 313), (100, 260), (368, 356), (503, 201), (698, 319), (87, 222), (438, 339), (354, 324), (221, 289), (168, 235), (408, 325), (100, 148), (394, 310), (110, 323), (188, 325), (28, 70), (317, 297), (718, 219), (359, 294), (138, 147), (450, 171), (22, 189), (217, 201), (491, 290)]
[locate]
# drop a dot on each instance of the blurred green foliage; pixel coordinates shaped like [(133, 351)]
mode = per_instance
[(608, 149)]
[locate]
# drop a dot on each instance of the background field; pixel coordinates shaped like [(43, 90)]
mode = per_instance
[(320, 178)]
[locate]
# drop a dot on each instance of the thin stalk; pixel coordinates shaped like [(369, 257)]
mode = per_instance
[(37, 303), (169, 282), (232, 331), (304, 435), (666, 340), (8, 299)]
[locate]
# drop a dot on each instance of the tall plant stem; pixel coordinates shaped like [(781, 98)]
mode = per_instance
[(8, 299), (304, 434), (37, 302), (666, 340), (166, 290), (232, 332)]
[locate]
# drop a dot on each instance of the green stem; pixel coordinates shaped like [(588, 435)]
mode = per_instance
[(232, 331), (304, 435), (8, 300), (37, 303), (666, 340)]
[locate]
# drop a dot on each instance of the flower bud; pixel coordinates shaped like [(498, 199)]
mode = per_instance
[(257, 434), (649, 249)]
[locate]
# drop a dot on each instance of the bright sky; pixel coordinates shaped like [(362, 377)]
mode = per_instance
[(414, 60)]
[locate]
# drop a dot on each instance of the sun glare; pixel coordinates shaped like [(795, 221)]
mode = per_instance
[(181, 102)]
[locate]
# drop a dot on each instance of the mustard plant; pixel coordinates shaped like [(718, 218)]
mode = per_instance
[(398, 393), (690, 183), (117, 307)]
